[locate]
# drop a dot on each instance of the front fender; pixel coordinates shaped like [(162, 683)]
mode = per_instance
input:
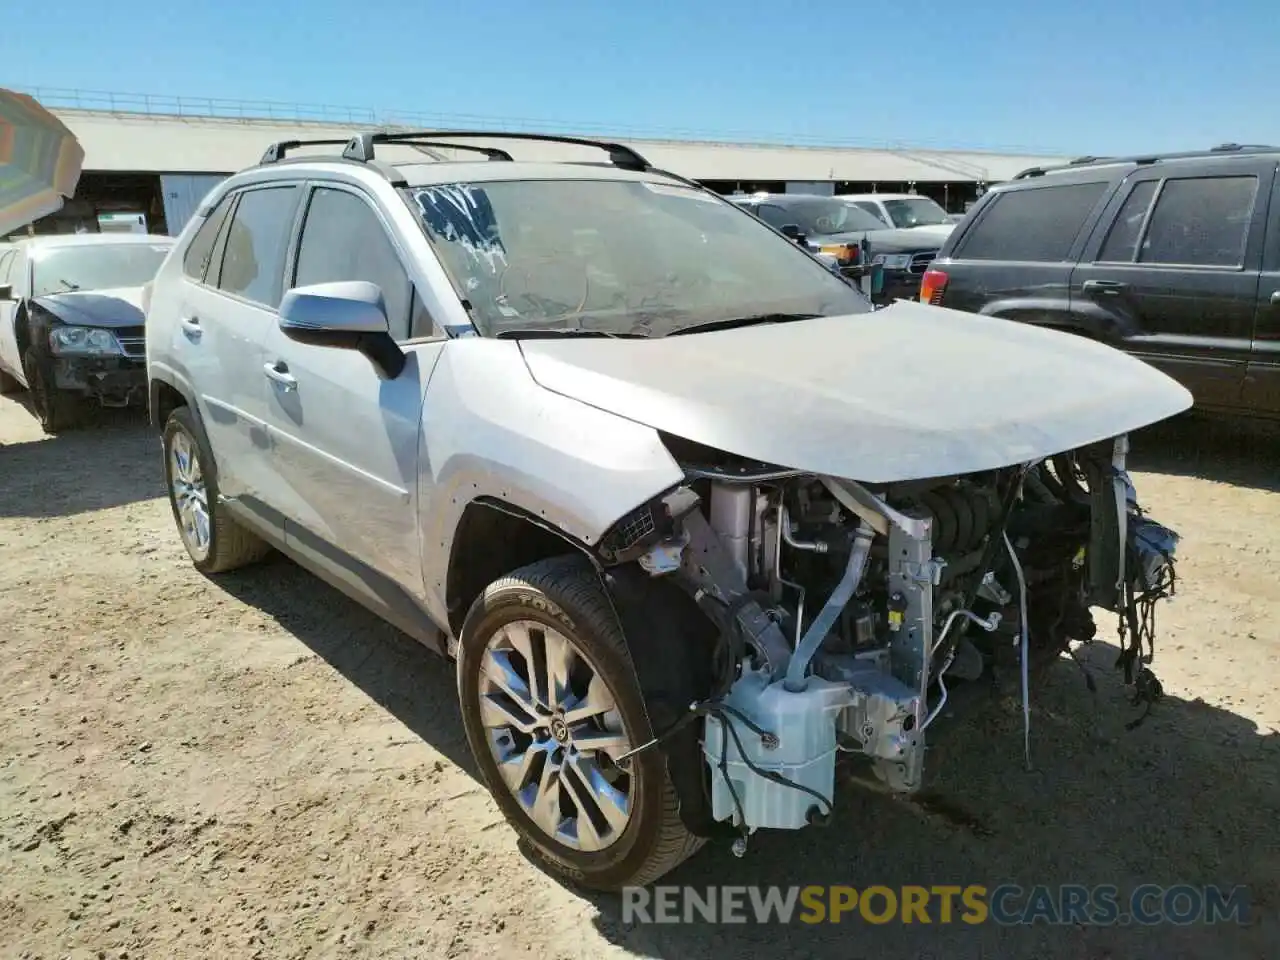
[(490, 431)]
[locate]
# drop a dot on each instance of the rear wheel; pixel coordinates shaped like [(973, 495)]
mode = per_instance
[(550, 704), (57, 409), (214, 540)]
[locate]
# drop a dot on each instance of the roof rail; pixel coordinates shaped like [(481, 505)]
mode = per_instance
[(360, 147), (1149, 158), (277, 151), (1233, 147), (493, 153)]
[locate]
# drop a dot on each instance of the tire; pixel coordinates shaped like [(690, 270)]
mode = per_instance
[(58, 410), (564, 595), (226, 545), (9, 383)]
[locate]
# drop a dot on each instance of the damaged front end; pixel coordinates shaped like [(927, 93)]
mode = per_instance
[(841, 612)]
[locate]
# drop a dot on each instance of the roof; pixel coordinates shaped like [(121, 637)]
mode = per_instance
[(140, 142)]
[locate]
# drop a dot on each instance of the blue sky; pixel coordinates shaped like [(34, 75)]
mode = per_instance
[(1081, 77)]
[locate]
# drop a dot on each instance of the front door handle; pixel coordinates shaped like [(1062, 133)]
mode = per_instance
[(191, 327), (1110, 288), (279, 373), (1275, 299)]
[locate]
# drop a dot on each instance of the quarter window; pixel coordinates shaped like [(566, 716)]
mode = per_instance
[(253, 260), (343, 239), (1036, 224), (1200, 222), (195, 262)]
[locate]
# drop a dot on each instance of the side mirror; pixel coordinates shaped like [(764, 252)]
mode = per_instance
[(792, 230), (6, 291), (350, 315)]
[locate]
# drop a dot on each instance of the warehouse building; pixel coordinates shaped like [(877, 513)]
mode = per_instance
[(147, 169)]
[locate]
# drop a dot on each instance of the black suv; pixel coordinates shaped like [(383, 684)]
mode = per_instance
[(1174, 258)]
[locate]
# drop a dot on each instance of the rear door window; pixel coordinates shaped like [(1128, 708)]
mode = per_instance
[(1038, 224), (254, 254), (1122, 241), (1200, 222)]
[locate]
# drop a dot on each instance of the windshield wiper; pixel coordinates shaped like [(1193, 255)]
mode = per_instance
[(743, 322), (552, 333)]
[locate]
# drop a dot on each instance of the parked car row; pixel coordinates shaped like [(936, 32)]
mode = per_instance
[(852, 229), (1172, 258)]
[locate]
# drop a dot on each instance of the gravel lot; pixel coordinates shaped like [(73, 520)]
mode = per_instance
[(255, 767)]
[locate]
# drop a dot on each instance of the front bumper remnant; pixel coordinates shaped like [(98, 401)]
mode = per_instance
[(112, 381)]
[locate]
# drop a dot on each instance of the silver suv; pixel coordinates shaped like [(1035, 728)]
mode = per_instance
[(691, 517)]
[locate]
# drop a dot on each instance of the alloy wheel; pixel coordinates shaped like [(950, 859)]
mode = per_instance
[(556, 735), (190, 495)]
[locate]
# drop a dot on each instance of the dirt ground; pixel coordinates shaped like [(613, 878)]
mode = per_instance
[(256, 767)]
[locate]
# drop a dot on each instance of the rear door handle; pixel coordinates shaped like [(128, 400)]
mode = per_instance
[(191, 327), (1275, 299), (279, 372), (1109, 287)]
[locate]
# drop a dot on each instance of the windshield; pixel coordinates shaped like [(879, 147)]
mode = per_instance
[(824, 216), (916, 212), (99, 266), (617, 257)]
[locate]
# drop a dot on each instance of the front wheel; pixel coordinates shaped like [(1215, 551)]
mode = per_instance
[(215, 542), (57, 409), (550, 704)]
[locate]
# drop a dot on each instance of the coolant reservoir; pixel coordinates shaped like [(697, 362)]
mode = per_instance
[(803, 722)]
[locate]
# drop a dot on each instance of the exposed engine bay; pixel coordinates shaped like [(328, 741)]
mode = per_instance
[(844, 613)]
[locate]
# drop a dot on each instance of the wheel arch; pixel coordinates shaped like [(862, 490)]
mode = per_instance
[(668, 638), (166, 393), (163, 397), (492, 538)]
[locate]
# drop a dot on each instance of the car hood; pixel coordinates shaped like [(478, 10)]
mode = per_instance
[(117, 307), (907, 392), (934, 233), (895, 240)]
